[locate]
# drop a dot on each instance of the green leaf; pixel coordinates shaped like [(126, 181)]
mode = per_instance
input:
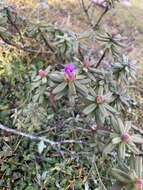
[(109, 148), (72, 100), (37, 78), (130, 187), (60, 87), (85, 81), (110, 109), (36, 84), (89, 109), (133, 147), (80, 77), (102, 110), (120, 176), (100, 90), (122, 150), (92, 77), (128, 126), (90, 98), (41, 99), (137, 139), (121, 125), (115, 124), (114, 135), (57, 77), (92, 92), (100, 115), (41, 146), (44, 80), (35, 97), (139, 165), (81, 88), (48, 69), (72, 89), (60, 95), (116, 140)]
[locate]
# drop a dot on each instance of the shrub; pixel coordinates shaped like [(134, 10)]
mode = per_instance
[(80, 101)]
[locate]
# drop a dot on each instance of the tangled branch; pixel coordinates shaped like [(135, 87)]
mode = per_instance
[(86, 11), (37, 138)]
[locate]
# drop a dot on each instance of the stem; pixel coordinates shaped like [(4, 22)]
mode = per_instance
[(38, 138), (100, 19), (94, 27), (21, 47), (14, 25), (45, 40), (86, 13), (102, 57), (97, 171)]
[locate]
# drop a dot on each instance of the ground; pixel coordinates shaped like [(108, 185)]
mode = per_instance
[(128, 20)]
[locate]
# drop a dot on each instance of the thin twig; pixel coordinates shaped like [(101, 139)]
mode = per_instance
[(102, 57), (45, 40), (100, 18), (38, 138), (94, 27), (26, 49), (14, 25), (86, 13), (99, 177)]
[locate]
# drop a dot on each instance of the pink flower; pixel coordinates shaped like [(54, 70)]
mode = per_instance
[(41, 73), (126, 3), (139, 184), (125, 137)]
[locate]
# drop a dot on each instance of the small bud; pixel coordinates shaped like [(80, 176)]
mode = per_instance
[(41, 73), (14, 13), (125, 137), (99, 99), (139, 184), (114, 33), (130, 49)]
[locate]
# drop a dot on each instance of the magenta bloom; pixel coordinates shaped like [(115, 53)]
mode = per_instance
[(41, 73), (69, 72)]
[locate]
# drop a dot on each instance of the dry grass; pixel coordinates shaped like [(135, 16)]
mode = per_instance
[(129, 21)]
